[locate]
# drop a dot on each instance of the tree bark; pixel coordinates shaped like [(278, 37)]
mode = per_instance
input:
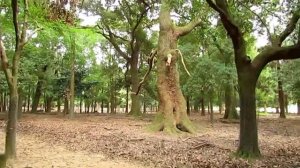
[(172, 116), (37, 96), (48, 104), (127, 97), (58, 105), (230, 99), (188, 110), (286, 103), (10, 140), (66, 106), (248, 146), (28, 100), (135, 99)]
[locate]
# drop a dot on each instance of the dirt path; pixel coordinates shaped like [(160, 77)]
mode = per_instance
[(34, 153)]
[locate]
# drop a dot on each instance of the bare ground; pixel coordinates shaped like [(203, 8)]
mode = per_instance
[(119, 141)]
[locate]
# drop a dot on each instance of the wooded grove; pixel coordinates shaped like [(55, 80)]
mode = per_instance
[(149, 83)]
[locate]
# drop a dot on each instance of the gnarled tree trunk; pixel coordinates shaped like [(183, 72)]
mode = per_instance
[(172, 115)]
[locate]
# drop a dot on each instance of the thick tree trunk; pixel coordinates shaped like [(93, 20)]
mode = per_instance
[(10, 140), (172, 115), (248, 146), (37, 96), (135, 99)]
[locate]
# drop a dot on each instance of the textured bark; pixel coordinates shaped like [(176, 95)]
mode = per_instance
[(10, 139), (48, 104), (135, 99), (248, 146), (230, 103), (37, 96), (172, 116)]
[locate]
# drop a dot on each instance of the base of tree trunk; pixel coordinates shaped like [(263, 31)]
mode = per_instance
[(247, 154), (2, 160), (169, 126)]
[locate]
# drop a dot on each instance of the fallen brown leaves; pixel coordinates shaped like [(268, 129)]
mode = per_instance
[(124, 137)]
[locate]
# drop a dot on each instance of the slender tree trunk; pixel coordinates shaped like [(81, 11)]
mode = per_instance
[(20, 103), (230, 103), (58, 105), (202, 106), (127, 97), (286, 103), (37, 95), (80, 105), (28, 100), (248, 127), (10, 140), (66, 106), (48, 104), (211, 110), (280, 94), (188, 110), (102, 106), (1, 101)]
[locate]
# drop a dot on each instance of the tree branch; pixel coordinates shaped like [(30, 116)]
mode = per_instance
[(232, 29), (290, 27), (259, 18), (183, 30), (4, 63), (23, 43), (276, 53), (110, 37), (14, 5)]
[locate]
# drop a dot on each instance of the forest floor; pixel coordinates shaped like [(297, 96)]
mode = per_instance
[(106, 141)]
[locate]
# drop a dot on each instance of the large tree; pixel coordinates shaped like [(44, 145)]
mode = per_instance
[(172, 115), (249, 70), (12, 72)]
